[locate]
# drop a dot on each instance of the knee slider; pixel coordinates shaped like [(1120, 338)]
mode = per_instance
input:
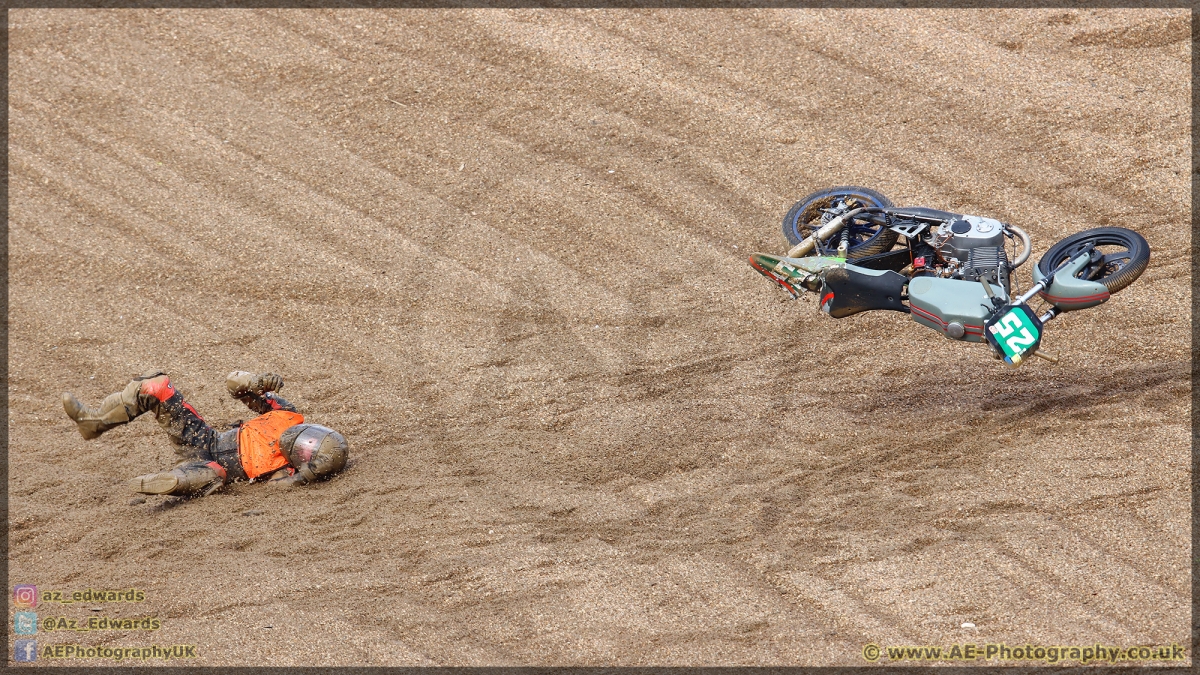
[(198, 477), (159, 387), (218, 468)]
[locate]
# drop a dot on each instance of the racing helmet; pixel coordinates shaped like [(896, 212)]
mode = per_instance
[(304, 443)]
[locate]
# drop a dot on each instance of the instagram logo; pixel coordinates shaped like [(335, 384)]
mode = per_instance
[(25, 595)]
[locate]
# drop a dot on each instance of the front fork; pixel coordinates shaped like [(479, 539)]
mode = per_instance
[(999, 326)]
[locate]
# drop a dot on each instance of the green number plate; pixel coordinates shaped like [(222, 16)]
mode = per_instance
[(1015, 333)]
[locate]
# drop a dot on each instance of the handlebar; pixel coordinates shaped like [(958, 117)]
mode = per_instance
[(1043, 284)]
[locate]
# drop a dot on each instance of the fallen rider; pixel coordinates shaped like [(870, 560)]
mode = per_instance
[(277, 446)]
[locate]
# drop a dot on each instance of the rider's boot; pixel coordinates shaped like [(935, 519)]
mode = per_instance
[(139, 396), (190, 478)]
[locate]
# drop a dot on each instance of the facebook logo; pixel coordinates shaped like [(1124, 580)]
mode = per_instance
[(25, 623), (25, 650)]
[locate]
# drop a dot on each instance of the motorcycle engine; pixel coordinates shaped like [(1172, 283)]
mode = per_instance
[(973, 246)]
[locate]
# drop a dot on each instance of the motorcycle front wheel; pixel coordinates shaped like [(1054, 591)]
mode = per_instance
[(866, 238), (1123, 256)]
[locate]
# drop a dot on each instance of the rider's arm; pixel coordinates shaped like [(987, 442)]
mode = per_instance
[(257, 392), (265, 403)]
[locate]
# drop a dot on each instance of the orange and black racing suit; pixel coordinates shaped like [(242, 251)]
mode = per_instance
[(246, 450)]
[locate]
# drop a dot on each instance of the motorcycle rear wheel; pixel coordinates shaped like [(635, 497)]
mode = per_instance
[(865, 238), (1125, 255)]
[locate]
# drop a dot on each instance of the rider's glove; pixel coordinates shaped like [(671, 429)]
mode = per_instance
[(269, 382), (239, 383)]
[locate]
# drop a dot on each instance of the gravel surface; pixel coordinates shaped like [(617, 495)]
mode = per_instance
[(505, 253)]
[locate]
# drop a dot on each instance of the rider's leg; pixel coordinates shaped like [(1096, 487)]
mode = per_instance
[(191, 437), (189, 478), (117, 409)]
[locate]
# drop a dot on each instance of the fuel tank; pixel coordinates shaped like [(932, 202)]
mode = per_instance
[(956, 308)]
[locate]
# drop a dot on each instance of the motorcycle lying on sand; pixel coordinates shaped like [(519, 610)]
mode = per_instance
[(951, 272)]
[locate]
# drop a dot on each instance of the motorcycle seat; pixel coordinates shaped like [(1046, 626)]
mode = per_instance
[(849, 290)]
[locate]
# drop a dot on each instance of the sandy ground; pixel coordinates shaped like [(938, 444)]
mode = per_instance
[(505, 253)]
